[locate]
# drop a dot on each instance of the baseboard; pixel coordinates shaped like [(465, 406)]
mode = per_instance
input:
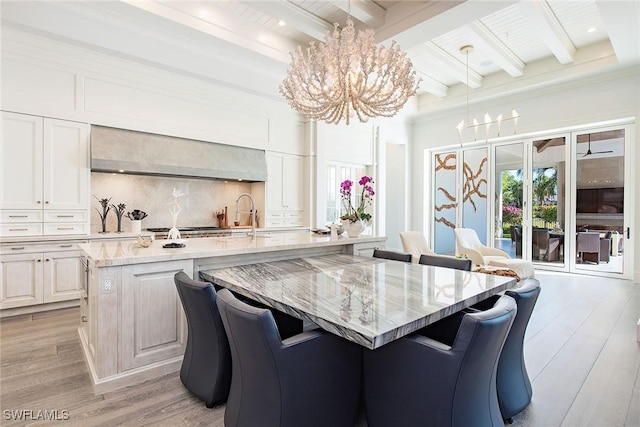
[(130, 378), (18, 311)]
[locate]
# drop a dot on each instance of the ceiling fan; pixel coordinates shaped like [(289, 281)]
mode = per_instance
[(589, 152)]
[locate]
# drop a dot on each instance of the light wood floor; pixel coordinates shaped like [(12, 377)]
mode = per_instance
[(581, 352)]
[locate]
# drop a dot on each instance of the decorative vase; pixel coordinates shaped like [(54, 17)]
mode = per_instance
[(136, 226), (353, 229)]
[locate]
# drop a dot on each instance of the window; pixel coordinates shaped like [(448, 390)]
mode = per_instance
[(336, 173)]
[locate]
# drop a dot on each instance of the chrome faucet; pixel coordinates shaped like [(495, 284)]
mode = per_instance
[(253, 213)]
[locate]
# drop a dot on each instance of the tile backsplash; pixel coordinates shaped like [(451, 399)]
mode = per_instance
[(153, 195)]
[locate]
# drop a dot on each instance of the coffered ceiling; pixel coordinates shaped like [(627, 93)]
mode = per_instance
[(518, 44)]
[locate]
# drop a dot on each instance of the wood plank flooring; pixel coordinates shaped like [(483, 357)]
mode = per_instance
[(581, 353)]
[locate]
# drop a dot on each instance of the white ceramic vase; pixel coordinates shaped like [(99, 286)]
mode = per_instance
[(136, 226), (353, 229)]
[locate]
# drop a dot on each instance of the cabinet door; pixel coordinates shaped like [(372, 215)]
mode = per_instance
[(66, 165), (21, 157), (21, 280), (275, 182), (63, 276), (153, 324), (293, 179)]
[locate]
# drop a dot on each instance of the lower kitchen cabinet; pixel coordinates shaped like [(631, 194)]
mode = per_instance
[(21, 280), (40, 274)]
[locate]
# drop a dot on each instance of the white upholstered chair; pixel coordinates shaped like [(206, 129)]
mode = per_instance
[(414, 243), (467, 242)]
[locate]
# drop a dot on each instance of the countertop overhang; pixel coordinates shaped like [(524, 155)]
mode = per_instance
[(115, 253)]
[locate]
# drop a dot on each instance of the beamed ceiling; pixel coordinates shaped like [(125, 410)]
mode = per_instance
[(518, 44)]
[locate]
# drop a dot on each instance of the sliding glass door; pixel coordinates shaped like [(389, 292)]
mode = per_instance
[(549, 184), (558, 200), (509, 201), (602, 230)]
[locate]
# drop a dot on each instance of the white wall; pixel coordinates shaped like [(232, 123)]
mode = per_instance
[(49, 78), (600, 98)]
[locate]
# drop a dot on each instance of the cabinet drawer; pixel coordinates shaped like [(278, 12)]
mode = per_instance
[(11, 216), (275, 215), (294, 214), (65, 228), (275, 222), (293, 222), (26, 229), (65, 216)]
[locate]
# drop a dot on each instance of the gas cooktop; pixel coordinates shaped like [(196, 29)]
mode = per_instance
[(181, 229)]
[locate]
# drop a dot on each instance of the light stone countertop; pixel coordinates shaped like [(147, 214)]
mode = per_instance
[(369, 301), (63, 238), (113, 253)]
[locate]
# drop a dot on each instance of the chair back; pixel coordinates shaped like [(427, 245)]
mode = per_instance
[(467, 238), (513, 384), (478, 344), (414, 243), (206, 367), (395, 256), (540, 238), (588, 241), (255, 343), (446, 262), (438, 384), (290, 382)]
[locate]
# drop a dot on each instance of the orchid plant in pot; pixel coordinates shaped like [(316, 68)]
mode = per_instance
[(356, 218)]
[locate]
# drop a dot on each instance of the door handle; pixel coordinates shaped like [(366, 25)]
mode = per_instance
[(628, 232)]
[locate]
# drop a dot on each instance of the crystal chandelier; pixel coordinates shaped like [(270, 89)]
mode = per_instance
[(347, 75), (475, 125)]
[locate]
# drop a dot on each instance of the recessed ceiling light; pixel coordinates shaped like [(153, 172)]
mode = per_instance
[(203, 13), (591, 30), (120, 170), (282, 23)]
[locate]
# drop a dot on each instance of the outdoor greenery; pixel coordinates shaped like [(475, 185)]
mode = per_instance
[(545, 187)]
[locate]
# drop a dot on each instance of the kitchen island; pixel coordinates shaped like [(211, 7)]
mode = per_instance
[(133, 327)]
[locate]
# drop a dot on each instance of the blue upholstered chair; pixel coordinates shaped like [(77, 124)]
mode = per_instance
[(417, 380), (395, 256), (206, 367), (446, 262), (311, 379), (514, 386)]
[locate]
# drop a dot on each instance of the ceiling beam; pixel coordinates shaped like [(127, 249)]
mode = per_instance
[(274, 46), (621, 20), (365, 11), (548, 28), (431, 85), (490, 45), (294, 16), (456, 67), (411, 23)]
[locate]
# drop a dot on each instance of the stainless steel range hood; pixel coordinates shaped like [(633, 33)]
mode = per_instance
[(119, 150)]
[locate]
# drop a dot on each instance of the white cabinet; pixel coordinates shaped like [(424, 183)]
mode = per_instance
[(40, 273), (154, 326), (45, 176), (285, 197), (21, 280)]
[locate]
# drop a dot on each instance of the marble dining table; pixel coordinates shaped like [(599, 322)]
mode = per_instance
[(369, 301)]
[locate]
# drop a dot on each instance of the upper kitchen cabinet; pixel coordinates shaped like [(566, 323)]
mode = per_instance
[(284, 190), (45, 176)]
